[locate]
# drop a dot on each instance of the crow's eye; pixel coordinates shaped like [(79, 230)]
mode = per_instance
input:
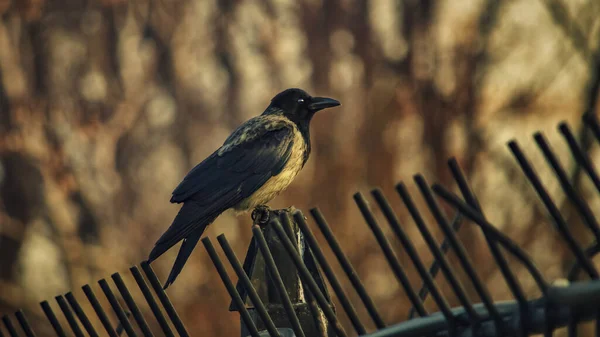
[(300, 100)]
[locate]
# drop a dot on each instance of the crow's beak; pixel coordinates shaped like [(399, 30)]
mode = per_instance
[(320, 103)]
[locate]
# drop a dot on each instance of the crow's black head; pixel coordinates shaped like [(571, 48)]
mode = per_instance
[(298, 105)]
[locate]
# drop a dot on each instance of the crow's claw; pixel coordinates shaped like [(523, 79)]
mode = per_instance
[(260, 214)]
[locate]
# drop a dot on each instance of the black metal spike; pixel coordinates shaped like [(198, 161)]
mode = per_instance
[(389, 254), (118, 310), (447, 270), (160, 318), (347, 266), (460, 251), (581, 157), (210, 249), (89, 293), (137, 315), (411, 251), (559, 221), (578, 201), (9, 326), (434, 268), (87, 325), (498, 236), (591, 120), (164, 299), (512, 281), (247, 285), (69, 316), (24, 324), (52, 318)]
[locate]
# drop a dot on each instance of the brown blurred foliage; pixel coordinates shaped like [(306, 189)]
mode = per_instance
[(106, 104)]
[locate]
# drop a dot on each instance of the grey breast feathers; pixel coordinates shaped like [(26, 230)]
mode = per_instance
[(280, 181)]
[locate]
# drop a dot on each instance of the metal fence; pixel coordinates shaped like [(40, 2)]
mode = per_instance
[(281, 289), (79, 321)]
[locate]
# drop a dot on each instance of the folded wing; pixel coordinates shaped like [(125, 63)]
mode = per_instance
[(225, 178)]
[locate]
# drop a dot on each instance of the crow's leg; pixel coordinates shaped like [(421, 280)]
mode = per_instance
[(280, 212), (260, 214)]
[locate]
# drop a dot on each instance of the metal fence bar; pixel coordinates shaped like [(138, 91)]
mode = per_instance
[(506, 242), (164, 299), (52, 318), (137, 315), (590, 252), (212, 253), (118, 310), (585, 162), (69, 316), (498, 236), (582, 206), (333, 281), (160, 318), (347, 267), (512, 281), (24, 324), (435, 265), (471, 199), (411, 251), (89, 293), (560, 222), (591, 120), (460, 251), (81, 315), (248, 260), (247, 285), (306, 277), (276, 277), (448, 271), (389, 254), (9, 326), (581, 157)]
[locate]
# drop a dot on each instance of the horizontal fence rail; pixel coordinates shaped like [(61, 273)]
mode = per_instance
[(281, 289)]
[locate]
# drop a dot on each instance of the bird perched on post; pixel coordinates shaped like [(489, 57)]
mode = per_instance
[(257, 162)]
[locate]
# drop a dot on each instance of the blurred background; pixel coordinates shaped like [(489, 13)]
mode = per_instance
[(106, 104)]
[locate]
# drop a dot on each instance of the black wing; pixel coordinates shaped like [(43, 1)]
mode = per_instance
[(227, 177)]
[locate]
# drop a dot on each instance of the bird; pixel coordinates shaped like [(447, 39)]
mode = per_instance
[(256, 162)]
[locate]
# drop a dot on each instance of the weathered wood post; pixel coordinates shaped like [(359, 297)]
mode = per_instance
[(310, 315)]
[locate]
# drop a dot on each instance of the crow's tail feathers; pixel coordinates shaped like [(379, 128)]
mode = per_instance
[(190, 218), (184, 253), (188, 225)]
